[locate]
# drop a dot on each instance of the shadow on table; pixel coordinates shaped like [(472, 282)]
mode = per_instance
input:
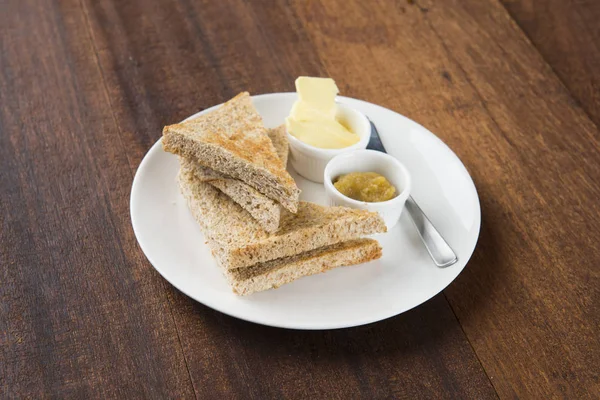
[(424, 329), (489, 268)]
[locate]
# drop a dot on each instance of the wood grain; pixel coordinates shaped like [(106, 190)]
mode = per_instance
[(80, 316), (85, 89), (567, 35)]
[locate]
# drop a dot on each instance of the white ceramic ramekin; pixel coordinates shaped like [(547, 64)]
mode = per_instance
[(369, 161), (310, 161)]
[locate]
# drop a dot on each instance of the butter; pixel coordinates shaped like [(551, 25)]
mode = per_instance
[(325, 134), (317, 93), (313, 116)]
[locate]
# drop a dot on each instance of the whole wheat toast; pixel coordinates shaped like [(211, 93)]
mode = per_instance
[(233, 141), (237, 240), (274, 273), (263, 209)]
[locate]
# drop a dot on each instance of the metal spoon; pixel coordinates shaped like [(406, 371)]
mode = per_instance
[(439, 250)]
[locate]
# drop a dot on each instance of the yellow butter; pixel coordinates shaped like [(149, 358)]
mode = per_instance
[(325, 134), (312, 118), (317, 93), (302, 111)]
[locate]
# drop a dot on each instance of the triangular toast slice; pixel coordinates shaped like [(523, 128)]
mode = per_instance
[(232, 140), (237, 240), (263, 209), (272, 274)]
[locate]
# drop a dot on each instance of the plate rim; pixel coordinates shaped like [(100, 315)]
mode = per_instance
[(269, 322)]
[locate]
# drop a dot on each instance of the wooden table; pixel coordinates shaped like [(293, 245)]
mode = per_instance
[(513, 87)]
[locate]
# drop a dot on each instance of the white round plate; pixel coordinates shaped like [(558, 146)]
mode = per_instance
[(402, 279)]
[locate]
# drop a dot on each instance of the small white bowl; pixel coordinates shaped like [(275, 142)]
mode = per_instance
[(369, 161), (310, 161)]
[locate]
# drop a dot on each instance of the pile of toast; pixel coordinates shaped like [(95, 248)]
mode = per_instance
[(233, 176)]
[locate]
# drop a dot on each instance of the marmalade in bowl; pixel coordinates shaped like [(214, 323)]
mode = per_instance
[(365, 186)]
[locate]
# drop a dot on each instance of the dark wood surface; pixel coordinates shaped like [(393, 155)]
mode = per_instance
[(567, 35), (85, 88)]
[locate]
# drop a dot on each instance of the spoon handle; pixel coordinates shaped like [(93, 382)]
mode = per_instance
[(440, 252)]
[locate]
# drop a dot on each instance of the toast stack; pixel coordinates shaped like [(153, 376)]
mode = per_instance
[(233, 176)]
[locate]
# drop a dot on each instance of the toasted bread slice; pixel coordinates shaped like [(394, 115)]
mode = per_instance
[(280, 142), (278, 137), (265, 210), (232, 140), (274, 273), (237, 240)]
